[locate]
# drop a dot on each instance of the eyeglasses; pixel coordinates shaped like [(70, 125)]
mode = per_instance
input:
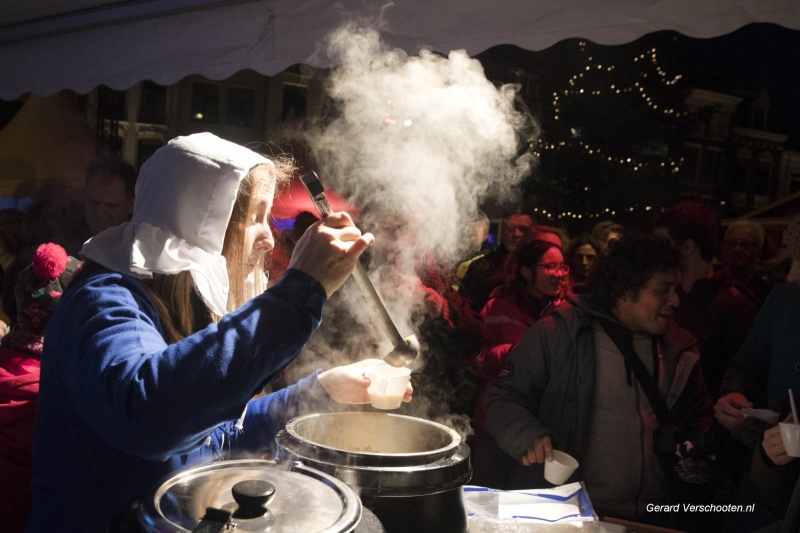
[(554, 268)]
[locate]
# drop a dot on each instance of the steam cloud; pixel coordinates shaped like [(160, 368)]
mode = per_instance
[(418, 143), (425, 137)]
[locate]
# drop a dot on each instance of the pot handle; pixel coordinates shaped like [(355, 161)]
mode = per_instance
[(214, 521)]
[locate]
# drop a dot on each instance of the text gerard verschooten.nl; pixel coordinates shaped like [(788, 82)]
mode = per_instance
[(704, 508)]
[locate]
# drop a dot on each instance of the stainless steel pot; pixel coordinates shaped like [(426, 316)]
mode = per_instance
[(255, 495), (407, 470)]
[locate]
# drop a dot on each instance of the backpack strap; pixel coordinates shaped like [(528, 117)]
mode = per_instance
[(623, 339)]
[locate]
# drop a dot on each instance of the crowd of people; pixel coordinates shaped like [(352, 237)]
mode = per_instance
[(637, 352), (643, 366)]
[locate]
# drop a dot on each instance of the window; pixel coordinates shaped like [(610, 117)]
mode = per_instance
[(110, 103), (794, 182), (763, 174), (691, 155), (740, 171), (294, 102), (712, 165), (154, 103), (240, 107), (205, 103), (147, 147)]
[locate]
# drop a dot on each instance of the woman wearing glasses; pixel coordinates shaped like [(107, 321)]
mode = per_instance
[(537, 287)]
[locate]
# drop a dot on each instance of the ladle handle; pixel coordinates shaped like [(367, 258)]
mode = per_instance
[(317, 192), (369, 292)]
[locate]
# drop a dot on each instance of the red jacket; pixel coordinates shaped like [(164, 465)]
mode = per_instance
[(507, 316), (19, 388)]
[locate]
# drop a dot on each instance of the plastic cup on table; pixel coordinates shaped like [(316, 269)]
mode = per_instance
[(387, 385), (560, 468)]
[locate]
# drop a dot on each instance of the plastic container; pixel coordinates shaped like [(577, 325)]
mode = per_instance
[(562, 509), (388, 385)]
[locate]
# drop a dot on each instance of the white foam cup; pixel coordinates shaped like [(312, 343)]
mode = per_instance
[(790, 434), (387, 385), (560, 468)]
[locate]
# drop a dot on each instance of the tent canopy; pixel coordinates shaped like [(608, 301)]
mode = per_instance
[(50, 45)]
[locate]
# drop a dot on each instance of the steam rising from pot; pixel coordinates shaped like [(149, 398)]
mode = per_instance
[(426, 137), (418, 143)]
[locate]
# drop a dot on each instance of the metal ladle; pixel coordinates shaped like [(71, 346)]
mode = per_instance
[(405, 350)]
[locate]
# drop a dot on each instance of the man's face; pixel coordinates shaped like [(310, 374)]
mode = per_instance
[(105, 204), (515, 228), (583, 259), (652, 309), (478, 232), (740, 248)]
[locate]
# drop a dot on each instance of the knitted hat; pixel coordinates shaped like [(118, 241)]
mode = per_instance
[(792, 238), (38, 290)]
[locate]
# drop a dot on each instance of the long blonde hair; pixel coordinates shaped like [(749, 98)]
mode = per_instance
[(172, 294)]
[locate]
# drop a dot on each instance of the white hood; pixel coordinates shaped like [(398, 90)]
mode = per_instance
[(184, 199)]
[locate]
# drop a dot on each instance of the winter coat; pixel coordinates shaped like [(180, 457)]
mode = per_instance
[(120, 407), (19, 387), (507, 316), (547, 387), (768, 364)]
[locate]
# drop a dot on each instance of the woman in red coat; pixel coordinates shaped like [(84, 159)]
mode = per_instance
[(38, 290), (538, 285)]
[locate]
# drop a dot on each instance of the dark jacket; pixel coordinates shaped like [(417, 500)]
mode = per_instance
[(719, 312), (767, 364), (484, 275), (547, 386)]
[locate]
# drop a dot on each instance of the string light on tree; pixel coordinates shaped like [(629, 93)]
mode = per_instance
[(612, 133), (604, 213)]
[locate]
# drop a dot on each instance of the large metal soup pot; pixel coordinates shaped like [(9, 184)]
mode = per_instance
[(408, 471), (257, 495)]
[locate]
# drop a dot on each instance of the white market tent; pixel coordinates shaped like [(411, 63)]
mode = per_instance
[(50, 45)]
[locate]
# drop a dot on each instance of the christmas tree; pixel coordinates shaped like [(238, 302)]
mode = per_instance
[(612, 135)]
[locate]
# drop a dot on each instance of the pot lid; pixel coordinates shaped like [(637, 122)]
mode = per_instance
[(251, 495)]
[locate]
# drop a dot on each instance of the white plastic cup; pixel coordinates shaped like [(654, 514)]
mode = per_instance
[(560, 468), (387, 385), (790, 434)]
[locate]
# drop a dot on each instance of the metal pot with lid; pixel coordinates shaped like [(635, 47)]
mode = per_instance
[(408, 471), (251, 495)]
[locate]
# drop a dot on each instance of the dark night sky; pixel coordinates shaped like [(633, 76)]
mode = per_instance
[(744, 63), (747, 62)]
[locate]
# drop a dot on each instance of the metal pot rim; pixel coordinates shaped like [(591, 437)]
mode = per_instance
[(292, 429)]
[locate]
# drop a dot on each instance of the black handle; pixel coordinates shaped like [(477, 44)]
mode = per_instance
[(214, 521), (253, 494)]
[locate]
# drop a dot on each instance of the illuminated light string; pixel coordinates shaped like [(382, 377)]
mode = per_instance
[(662, 77), (577, 88), (597, 152), (607, 212)]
